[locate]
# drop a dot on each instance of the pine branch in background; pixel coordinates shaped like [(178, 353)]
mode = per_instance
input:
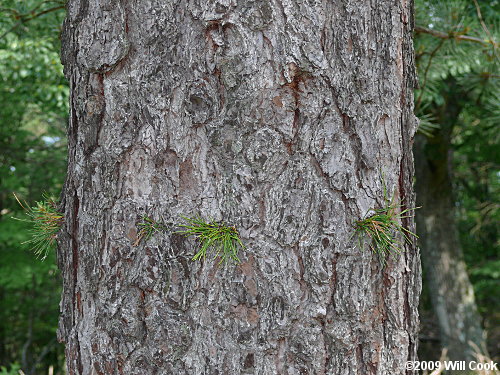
[(22, 18), (480, 17), (456, 36), (453, 38), (426, 72)]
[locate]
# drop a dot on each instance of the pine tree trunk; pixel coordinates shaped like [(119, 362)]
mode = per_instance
[(451, 292), (281, 118)]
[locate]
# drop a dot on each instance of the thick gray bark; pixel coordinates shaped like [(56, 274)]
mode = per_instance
[(450, 290), (280, 117)]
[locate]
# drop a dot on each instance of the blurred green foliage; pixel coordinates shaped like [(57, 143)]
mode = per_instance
[(34, 97), (459, 77), (13, 369)]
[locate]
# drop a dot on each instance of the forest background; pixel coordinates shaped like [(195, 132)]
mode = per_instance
[(457, 57)]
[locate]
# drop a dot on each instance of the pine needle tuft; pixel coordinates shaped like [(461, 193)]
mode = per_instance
[(46, 222), (148, 227), (223, 240), (382, 228)]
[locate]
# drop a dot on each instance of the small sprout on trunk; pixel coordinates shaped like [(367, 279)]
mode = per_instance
[(46, 222), (223, 240), (382, 228), (148, 227)]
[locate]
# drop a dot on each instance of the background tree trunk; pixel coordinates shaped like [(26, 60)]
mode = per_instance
[(451, 292), (278, 117)]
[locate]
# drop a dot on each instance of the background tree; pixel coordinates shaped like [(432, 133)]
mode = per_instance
[(290, 120), (457, 57)]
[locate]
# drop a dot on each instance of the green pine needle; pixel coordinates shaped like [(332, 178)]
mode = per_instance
[(46, 222), (382, 228), (223, 240), (147, 228)]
